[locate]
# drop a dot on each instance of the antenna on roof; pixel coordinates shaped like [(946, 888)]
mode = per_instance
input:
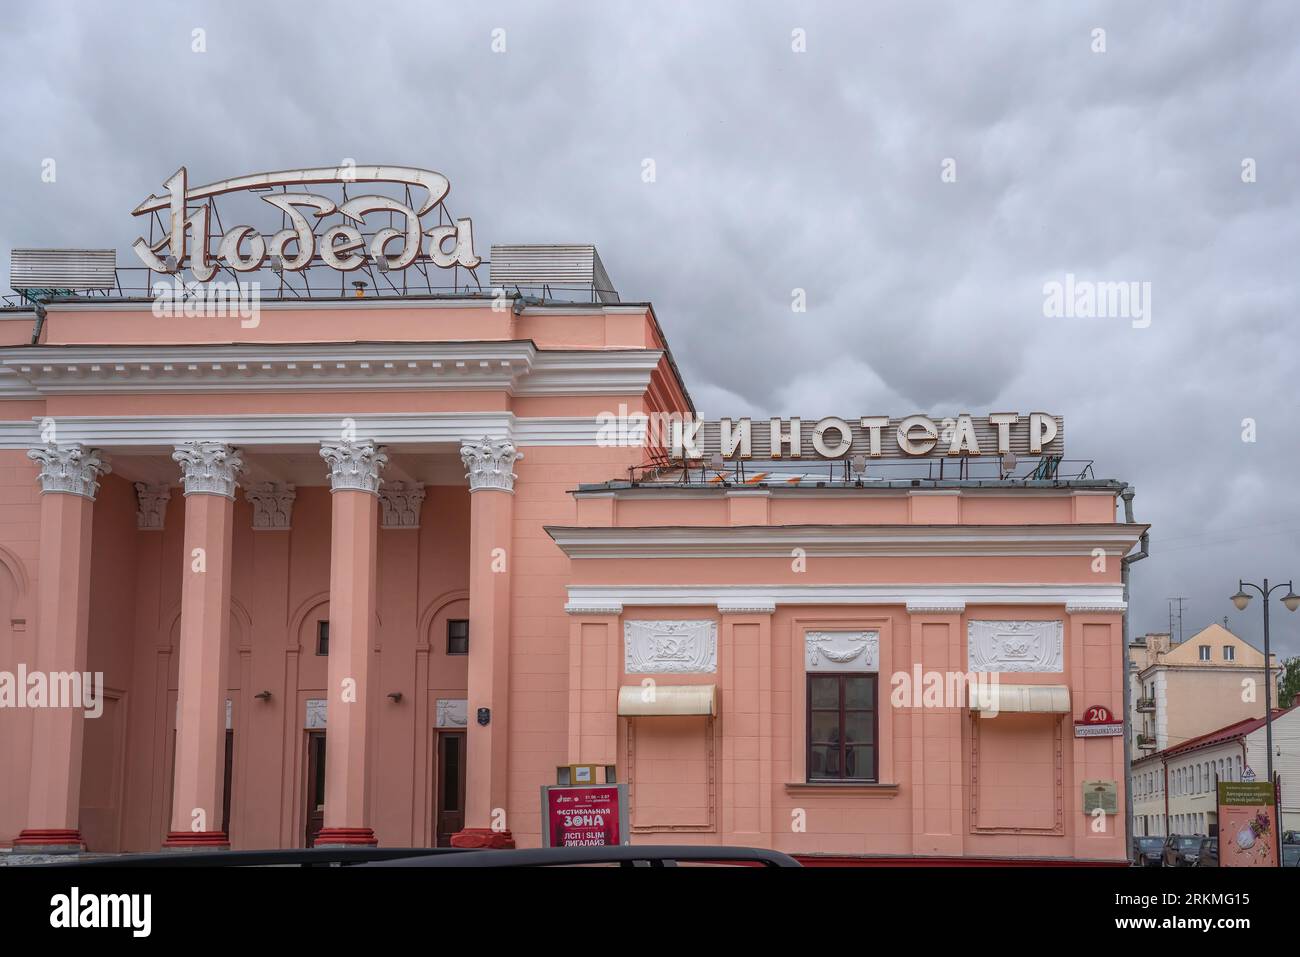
[(1179, 617)]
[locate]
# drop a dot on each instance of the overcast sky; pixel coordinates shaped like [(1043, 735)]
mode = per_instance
[(778, 169)]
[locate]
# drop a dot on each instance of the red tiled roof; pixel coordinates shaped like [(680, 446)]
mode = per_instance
[(1227, 733)]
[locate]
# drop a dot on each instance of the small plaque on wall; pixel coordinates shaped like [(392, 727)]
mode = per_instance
[(1100, 794)]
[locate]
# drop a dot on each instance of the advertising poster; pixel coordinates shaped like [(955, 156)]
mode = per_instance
[(586, 816), (1248, 835)]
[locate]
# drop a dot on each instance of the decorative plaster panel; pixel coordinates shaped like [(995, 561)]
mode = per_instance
[(400, 502), (677, 647), (315, 716), (272, 504), (1015, 645), (453, 712), (152, 499)]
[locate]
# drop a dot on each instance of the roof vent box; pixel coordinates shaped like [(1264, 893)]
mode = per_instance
[(553, 270)]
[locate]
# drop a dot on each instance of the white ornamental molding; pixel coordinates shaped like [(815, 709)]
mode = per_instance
[(1098, 607), (401, 503), (453, 713), (272, 505), (354, 466), (756, 606), (937, 607), (842, 650), (69, 469), (1010, 646), (152, 499), (209, 468), (490, 463), (670, 647), (593, 608)]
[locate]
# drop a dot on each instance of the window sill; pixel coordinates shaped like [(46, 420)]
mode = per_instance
[(863, 788)]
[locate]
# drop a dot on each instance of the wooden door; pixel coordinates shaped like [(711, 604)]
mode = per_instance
[(225, 794), (315, 814), (449, 803)]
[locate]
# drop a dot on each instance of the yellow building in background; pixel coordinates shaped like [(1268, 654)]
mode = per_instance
[(1181, 690)]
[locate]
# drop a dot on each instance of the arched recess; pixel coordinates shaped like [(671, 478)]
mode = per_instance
[(17, 646), (438, 675), (294, 632), (15, 588), (306, 677), (431, 613), (239, 652), (241, 630)]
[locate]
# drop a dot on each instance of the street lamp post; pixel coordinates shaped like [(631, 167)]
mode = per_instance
[(1292, 602)]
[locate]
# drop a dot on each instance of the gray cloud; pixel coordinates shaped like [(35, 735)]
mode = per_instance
[(777, 171)]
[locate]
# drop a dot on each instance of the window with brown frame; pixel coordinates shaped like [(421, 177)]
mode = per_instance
[(458, 636), (322, 637), (842, 727)]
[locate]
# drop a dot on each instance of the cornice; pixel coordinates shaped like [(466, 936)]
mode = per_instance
[(411, 430), (848, 541), (598, 599), (516, 367)]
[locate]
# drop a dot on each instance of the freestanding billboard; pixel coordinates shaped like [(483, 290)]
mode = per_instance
[(1248, 835)]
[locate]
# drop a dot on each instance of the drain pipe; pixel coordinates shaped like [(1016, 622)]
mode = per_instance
[(40, 321), (1125, 562)]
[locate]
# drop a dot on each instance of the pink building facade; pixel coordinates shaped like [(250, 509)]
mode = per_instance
[(371, 570)]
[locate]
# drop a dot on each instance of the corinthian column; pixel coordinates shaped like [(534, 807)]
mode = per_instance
[(69, 478), (489, 465), (210, 473), (354, 541)]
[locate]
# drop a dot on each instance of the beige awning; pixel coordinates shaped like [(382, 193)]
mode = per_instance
[(636, 701), (1021, 699)]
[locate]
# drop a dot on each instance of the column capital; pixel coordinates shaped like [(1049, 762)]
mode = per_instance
[(69, 469), (209, 468), (490, 462), (152, 499), (272, 504), (354, 466), (401, 503)]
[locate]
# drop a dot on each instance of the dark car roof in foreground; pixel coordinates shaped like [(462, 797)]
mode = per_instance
[(568, 856), (654, 855), (275, 857)]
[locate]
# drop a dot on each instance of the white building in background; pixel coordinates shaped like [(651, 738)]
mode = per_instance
[(1174, 789)]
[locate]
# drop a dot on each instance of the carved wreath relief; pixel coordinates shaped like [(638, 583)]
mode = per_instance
[(842, 650)]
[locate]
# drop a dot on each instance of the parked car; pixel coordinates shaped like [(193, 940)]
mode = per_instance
[(1291, 855), (1208, 854), (1181, 850), (1148, 851)]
